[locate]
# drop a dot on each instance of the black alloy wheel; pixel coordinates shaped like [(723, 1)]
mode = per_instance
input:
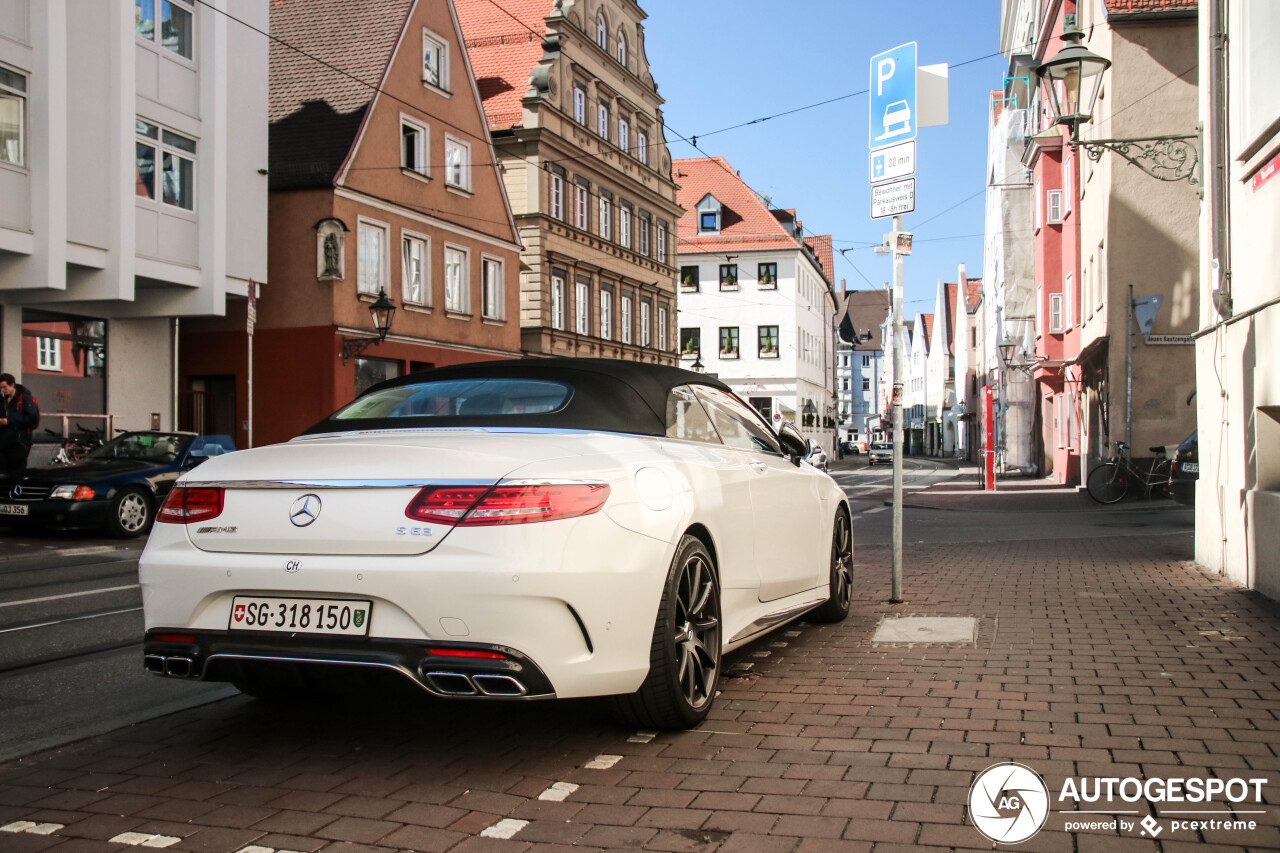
[(836, 608), (684, 657)]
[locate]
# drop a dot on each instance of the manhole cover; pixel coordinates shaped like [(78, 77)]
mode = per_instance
[(926, 629)]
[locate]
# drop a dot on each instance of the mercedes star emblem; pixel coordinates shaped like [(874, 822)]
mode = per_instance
[(305, 510)]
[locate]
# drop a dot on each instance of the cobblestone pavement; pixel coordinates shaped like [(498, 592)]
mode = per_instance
[(1109, 657)]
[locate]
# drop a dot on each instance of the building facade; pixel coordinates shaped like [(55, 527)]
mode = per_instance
[(133, 150), (756, 303), (940, 374), (577, 121), (860, 364), (1238, 344), (389, 190), (1103, 234)]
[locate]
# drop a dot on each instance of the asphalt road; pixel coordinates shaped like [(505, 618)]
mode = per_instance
[(70, 645)]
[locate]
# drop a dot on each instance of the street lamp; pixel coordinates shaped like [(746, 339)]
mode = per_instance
[(1072, 80), (1009, 349), (698, 366), (382, 310)]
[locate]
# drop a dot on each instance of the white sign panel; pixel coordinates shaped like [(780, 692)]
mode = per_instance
[(893, 199), (892, 163), (1167, 340)]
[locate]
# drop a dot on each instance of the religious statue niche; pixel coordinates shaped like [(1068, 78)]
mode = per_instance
[(330, 249)]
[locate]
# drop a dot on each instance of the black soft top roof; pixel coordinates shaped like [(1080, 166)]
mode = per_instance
[(609, 395)]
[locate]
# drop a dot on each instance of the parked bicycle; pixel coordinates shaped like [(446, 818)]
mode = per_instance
[(1111, 481), (76, 447)]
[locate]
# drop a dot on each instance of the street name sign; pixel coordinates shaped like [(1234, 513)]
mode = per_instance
[(1167, 340), (893, 96), (892, 163), (893, 199)]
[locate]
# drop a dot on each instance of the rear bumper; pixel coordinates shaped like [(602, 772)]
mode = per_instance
[(444, 669)]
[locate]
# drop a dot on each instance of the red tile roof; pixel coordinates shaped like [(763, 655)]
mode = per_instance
[(315, 111), (745, 221), (972, 294), (926, 322), (820, 245), (503, 52)]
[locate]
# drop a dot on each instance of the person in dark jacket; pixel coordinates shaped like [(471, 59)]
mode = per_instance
[(18, 415)]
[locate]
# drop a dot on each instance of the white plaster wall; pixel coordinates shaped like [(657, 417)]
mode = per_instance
[(140, 355)]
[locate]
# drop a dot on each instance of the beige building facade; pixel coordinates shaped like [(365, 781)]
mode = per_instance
[(577, 122)]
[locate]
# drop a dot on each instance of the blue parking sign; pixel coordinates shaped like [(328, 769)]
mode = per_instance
[(893, 96)]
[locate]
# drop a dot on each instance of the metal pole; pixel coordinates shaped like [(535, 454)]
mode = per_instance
[(898, 360), (1128, 374)]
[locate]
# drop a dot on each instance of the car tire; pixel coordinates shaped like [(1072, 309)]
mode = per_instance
[(836, 608), (130, 514), (685, 655)]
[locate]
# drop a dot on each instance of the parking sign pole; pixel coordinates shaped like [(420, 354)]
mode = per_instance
[(898, 362)]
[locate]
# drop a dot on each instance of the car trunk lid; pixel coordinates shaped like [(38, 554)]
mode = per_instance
[(347, 495)]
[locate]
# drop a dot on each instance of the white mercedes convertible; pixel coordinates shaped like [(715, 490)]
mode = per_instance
[(508, 530)]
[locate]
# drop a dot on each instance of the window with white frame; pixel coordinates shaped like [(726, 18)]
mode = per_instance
[(662, 327), (1055, 313), (662, 242), (606, 314), (643, 229), (371, 263), (1054, 201), (1071, 420), (48, 354), (606, 224), (624, 317), (582, 308), (457, 280), (457, 163), (581, 212), (624, 134), (435, 61), (579, 104), (173, 31), (642, 146), (13, 116), (557, 197), (624, 226), (602, 31), (492, 289), (1102, 275), (557, 302), (174, 156), (1069, 301), (622, 48), (602, 120), (414, 275), (646, 331), (413, 145)]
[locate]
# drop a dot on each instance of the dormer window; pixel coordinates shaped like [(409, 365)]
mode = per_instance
[(602, 31), (708, 215)]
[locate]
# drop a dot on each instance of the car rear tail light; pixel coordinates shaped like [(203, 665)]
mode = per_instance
[(187, 504), (483, 506)]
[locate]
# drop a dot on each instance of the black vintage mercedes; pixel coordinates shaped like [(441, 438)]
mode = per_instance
[(116, 488)]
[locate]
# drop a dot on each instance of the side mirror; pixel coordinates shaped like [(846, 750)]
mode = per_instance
[(793, 443)]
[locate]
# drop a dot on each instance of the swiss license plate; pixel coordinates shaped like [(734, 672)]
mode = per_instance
[(13, 509), (300, 615), (1191, 467)]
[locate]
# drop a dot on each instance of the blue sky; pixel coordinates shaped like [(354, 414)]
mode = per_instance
[(720, 63)]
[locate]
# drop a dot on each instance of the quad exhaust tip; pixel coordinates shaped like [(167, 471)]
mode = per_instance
[(461, 684), (175, 666)]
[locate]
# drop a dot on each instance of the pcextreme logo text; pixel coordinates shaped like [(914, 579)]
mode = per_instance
[(1009, 803)]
